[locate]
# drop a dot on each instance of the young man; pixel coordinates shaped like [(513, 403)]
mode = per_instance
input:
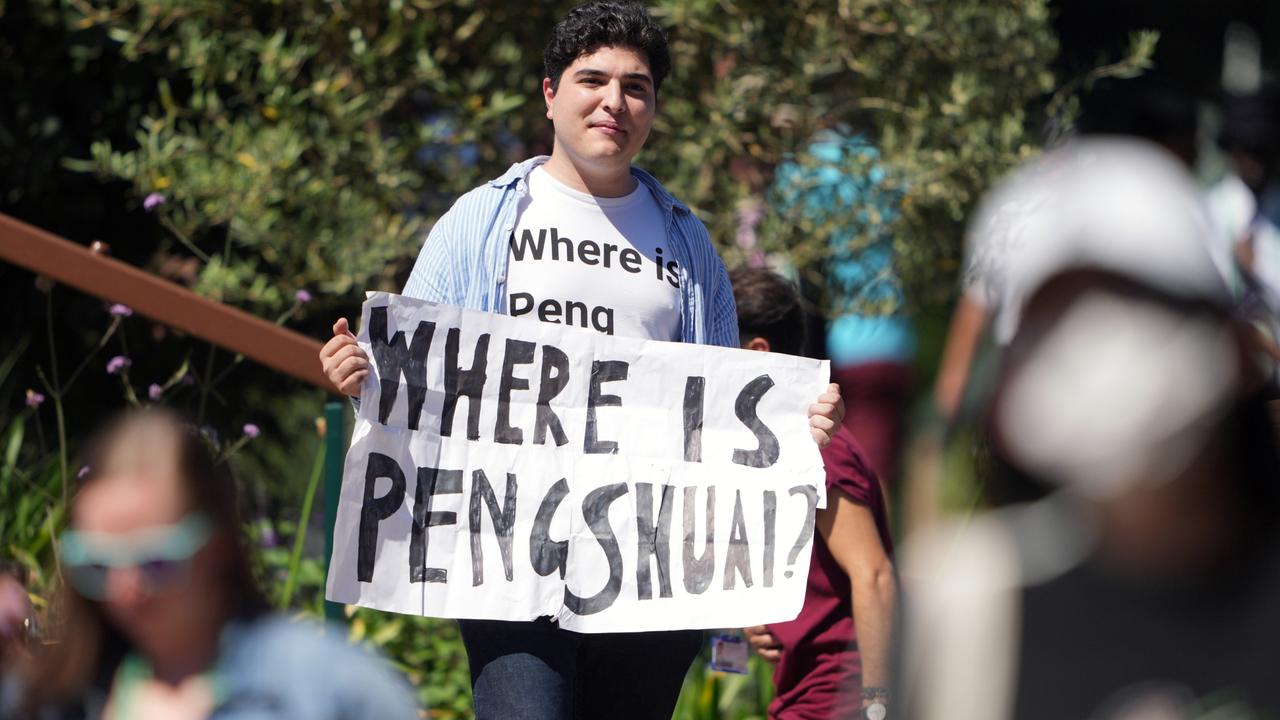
[(832, 661), (581, 238)]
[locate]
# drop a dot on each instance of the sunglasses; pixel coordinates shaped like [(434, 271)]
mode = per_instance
[(161, 555)]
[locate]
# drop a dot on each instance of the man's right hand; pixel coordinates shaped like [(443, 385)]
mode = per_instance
[(766, 645), (344, 363)]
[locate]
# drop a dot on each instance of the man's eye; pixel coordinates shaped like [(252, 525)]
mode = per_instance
[(591, 81)]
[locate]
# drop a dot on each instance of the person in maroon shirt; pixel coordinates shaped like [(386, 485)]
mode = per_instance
[(832, 661)]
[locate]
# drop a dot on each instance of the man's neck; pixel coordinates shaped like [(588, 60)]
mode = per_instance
[(599, 183)]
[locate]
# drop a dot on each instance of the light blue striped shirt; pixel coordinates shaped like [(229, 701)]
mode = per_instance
[(464, 260)]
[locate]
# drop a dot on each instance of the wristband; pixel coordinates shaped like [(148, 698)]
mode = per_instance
[(875, 693)]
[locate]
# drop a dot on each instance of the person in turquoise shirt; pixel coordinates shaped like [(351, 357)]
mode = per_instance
[(839, 187)]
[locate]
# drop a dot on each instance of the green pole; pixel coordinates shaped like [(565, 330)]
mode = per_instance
[(335, 446)]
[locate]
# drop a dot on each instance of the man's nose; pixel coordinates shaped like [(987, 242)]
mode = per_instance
[(615, 100)]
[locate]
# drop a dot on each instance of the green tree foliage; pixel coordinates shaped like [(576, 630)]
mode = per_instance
[(303, 143), (943, 88), (306, 144)]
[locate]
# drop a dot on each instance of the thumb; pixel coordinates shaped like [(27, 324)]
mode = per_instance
[(341, 327)]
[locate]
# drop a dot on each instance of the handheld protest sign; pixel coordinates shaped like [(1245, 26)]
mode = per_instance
[(508, 469)]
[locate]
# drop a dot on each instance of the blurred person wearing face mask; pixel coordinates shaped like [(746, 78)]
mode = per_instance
[(988, 308), (1143, 584), (162, 617)]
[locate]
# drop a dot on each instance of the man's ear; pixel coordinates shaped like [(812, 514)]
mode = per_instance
[(548, 94), (757, 343)]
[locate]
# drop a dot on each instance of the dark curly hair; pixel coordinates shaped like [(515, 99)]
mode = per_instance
[(768, 307), (594, 25)]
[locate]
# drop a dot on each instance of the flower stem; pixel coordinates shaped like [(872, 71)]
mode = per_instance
[(235, 362), (129, 394), (55, 389), (182, 238), (39, 433), (62, 444), (205, 385), (233, 448), (295, 557), (111, 330)]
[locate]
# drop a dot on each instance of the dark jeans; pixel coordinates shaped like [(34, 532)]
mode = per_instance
[(536, 671)]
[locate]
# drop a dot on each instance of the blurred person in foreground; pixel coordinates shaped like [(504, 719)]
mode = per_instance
[(1144, 583), (992, 294), (832, 661), (161, 616)]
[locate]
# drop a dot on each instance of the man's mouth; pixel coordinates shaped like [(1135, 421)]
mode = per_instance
[(608, 127)]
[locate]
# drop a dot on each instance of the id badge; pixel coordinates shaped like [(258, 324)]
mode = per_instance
[(729, 654)]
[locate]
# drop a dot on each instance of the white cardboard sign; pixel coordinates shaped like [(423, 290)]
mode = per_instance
[(508, 469)]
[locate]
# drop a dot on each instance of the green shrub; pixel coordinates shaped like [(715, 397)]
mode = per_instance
[(302, 144)]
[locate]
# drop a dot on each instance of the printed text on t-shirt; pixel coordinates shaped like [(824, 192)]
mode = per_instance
[(561, 248)]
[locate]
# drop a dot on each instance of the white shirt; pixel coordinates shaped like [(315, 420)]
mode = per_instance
[(593, 262), (1235, 215)]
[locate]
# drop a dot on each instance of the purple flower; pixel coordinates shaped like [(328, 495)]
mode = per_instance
[(34, 399), (302, 296), (118, 363), (152, 201), (84, 470), (120, 310), (155, 392), (251, 431)]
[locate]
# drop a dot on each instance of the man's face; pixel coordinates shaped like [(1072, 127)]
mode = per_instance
[(603, 107)]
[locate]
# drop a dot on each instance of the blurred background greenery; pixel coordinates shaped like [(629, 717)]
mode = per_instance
[(307, 145)]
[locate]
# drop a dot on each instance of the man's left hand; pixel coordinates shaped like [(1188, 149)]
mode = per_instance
[(826, 415)]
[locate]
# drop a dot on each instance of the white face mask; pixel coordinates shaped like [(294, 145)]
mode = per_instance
[(1119, 394)]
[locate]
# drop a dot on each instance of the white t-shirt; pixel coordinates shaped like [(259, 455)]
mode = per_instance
[(1235, 214), (593, 262), (999, 230)]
